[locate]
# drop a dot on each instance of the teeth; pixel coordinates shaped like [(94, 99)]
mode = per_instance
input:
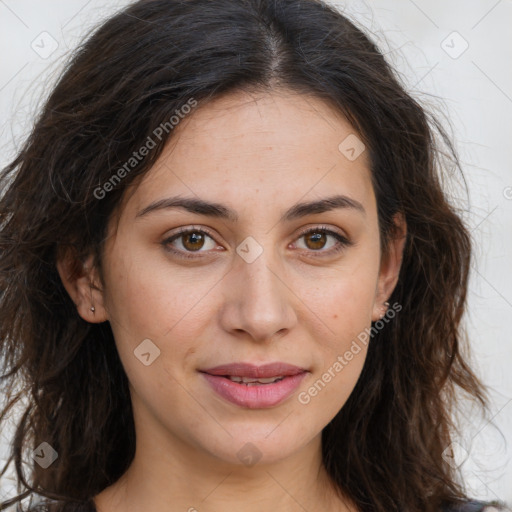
[(250, 381), (269, 380)]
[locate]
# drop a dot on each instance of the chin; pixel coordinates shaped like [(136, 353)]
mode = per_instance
[(267, 443)]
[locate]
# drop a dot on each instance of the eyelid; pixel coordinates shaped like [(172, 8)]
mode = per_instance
[(343, 240), (324, 228), (186, 255)]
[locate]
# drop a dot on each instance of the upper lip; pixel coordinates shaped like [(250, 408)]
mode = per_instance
[(252, 370)]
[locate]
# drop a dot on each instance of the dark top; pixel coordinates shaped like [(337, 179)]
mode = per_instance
[(469, 506)]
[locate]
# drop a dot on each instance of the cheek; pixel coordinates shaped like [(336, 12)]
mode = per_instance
[(344, 299), (350, 311), (345, 304), (154, 299), (151, 301)]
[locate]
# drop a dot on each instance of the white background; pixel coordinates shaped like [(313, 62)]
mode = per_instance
[(472, 88)]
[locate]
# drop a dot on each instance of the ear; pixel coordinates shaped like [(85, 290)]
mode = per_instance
[(83, 285), (390, 267)]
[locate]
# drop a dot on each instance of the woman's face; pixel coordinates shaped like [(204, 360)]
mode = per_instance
[(246, 287)]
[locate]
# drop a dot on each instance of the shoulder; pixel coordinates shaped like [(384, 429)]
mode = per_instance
[(476, 506), (63, 506)]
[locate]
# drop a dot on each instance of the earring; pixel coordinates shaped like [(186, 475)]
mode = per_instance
[(92, 308), (386, 306)]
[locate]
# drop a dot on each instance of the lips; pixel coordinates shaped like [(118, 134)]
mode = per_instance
[(250, 370), (254, 387)]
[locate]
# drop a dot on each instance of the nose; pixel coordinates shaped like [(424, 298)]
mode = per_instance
[(259, 302)]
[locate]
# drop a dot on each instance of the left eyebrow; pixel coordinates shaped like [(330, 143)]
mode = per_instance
[(217, 210), (323, 205)]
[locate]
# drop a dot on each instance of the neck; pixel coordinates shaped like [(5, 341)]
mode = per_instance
[(190, 480)]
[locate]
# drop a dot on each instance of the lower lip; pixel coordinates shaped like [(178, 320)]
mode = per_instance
[(260, 396)]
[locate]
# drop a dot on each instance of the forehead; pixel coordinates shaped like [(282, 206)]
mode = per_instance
[(278, 147)]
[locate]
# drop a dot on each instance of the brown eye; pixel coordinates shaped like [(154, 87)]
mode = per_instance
[(189, 241), (193, 241), (317, 239)]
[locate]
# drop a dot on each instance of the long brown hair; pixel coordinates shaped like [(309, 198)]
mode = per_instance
[(385, 448)]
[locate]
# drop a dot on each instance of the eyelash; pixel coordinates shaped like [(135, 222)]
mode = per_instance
[(343, 242)]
